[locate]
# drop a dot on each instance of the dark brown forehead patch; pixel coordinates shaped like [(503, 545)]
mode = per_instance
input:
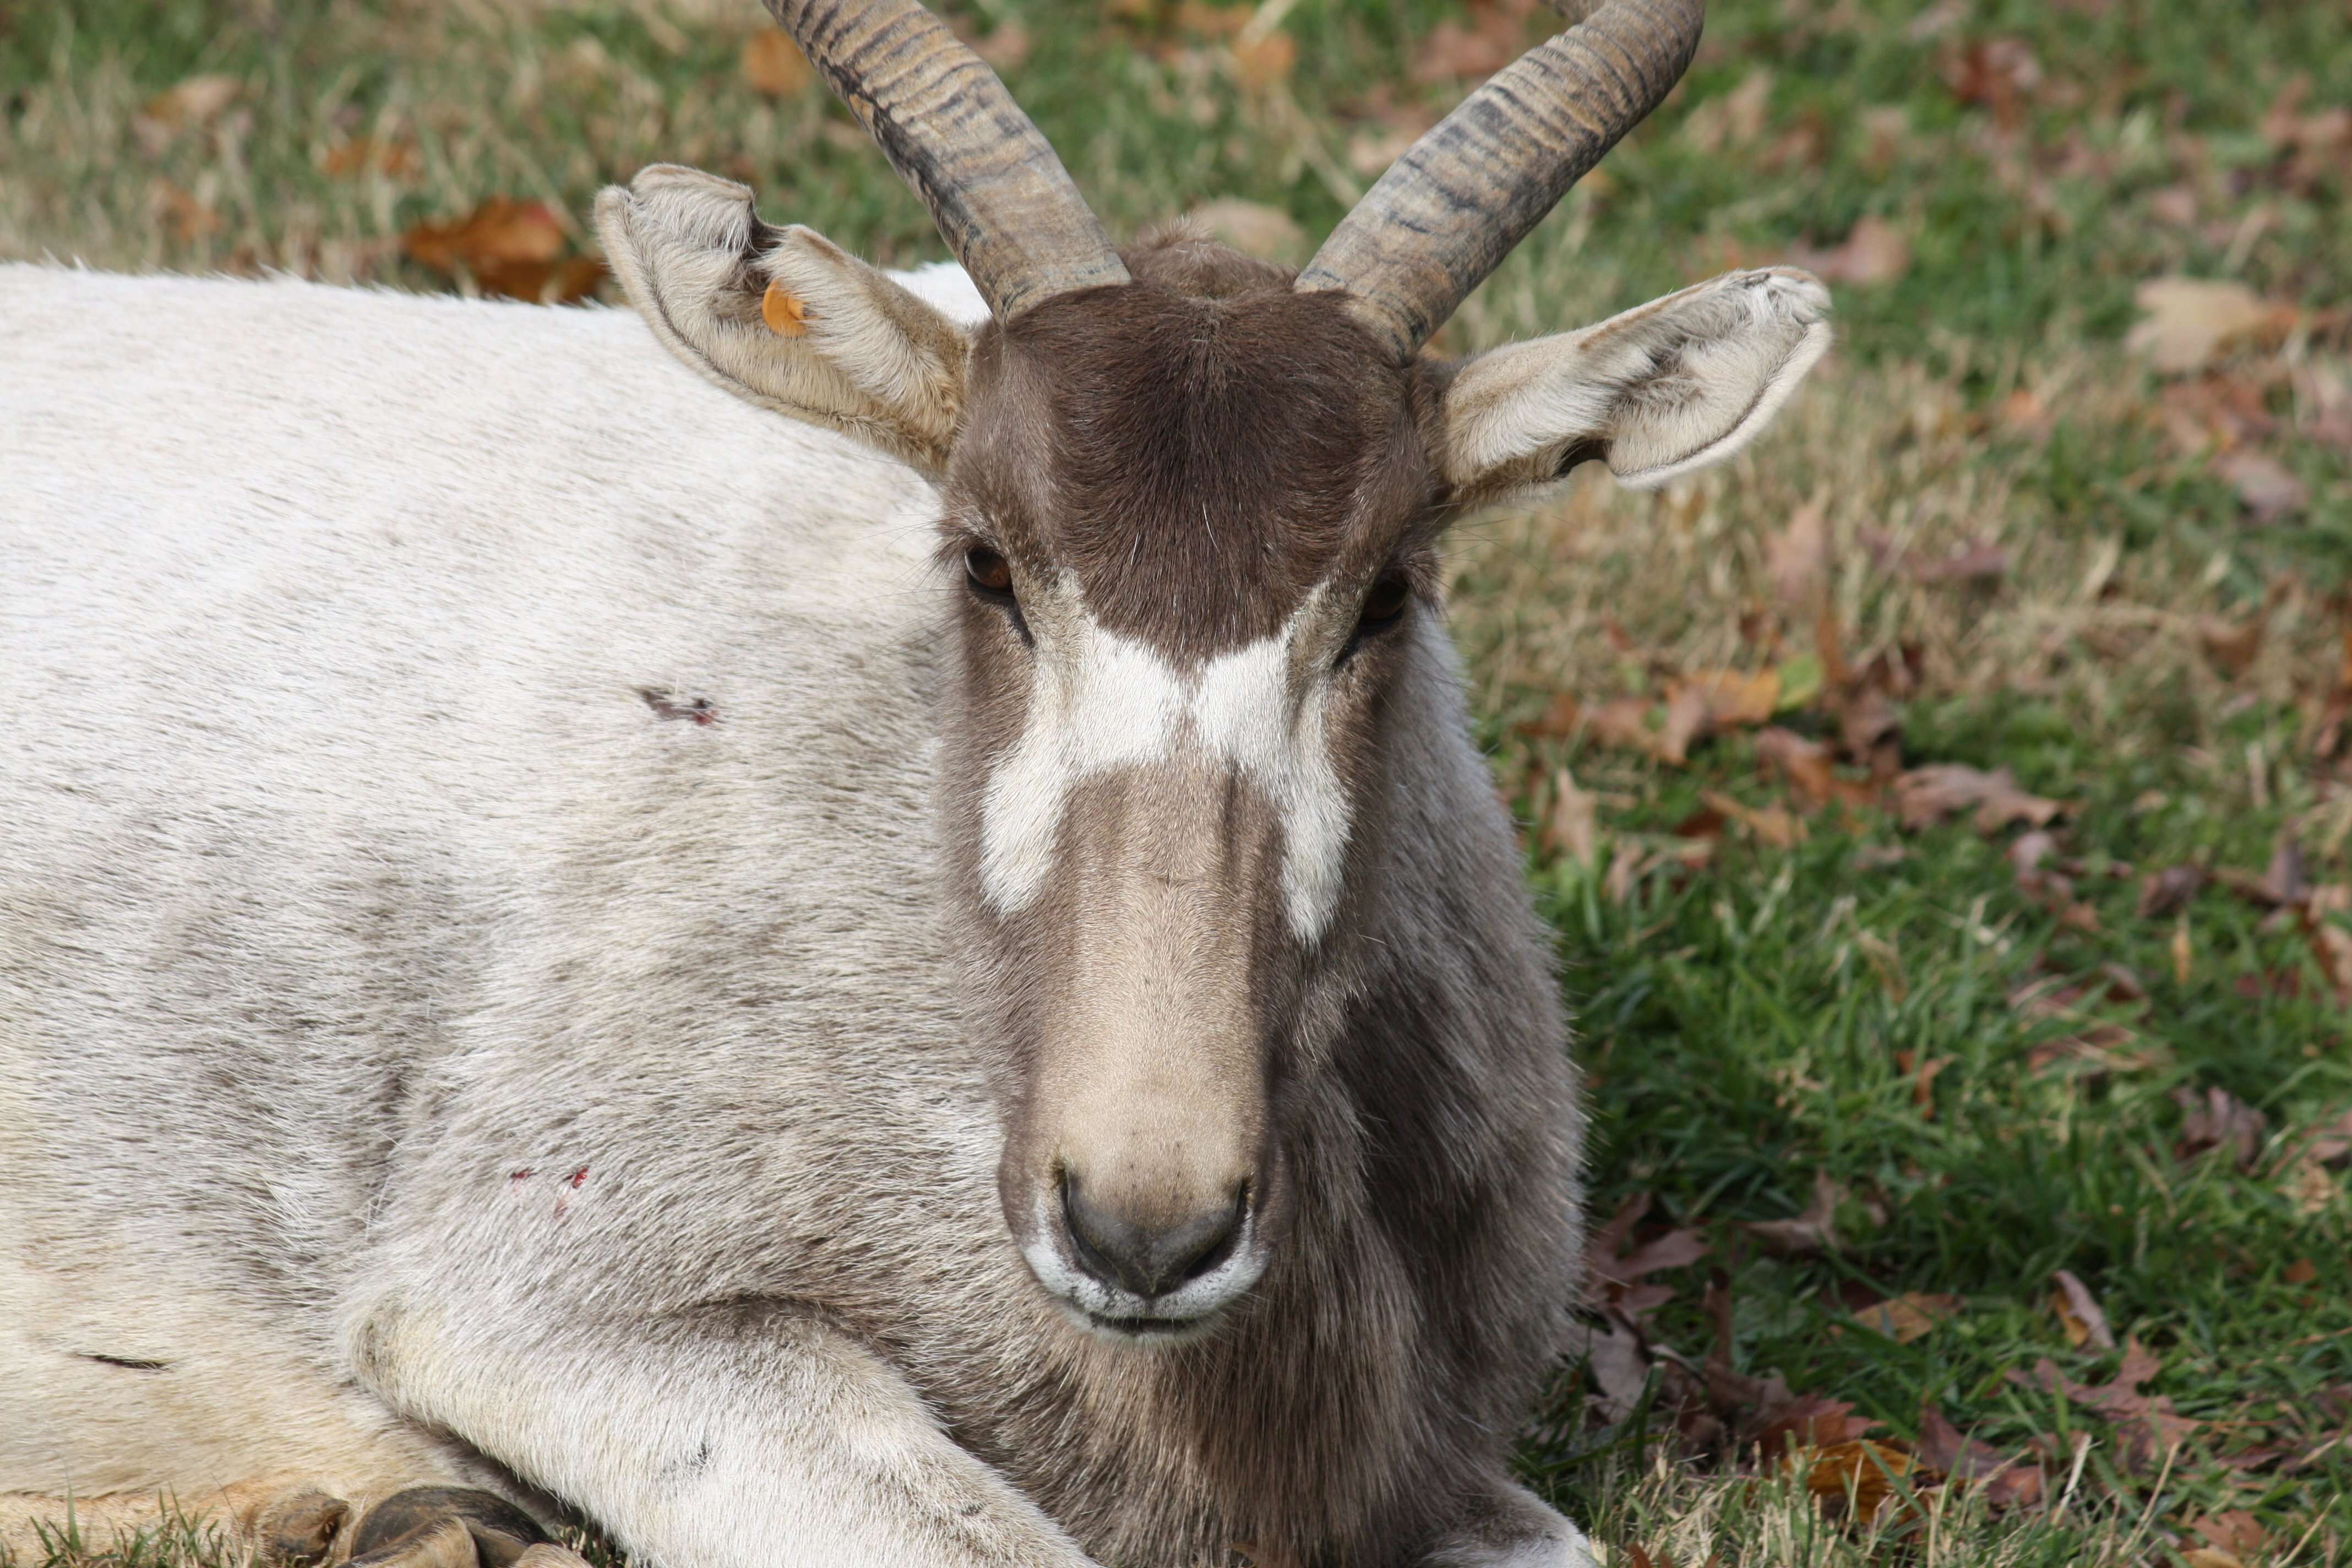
[(1209, 458)]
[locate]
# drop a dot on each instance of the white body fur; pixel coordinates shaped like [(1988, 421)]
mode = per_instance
[(340, 841)]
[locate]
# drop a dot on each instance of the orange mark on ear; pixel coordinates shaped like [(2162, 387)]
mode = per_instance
[(783, 311)]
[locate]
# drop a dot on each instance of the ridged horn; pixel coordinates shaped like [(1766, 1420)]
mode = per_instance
[(1453, 206), (1002, 199)]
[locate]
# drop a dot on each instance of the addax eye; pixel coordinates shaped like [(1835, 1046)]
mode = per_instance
[(989, 573), (1386, 601)]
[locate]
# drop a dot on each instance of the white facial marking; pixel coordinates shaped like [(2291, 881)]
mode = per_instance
[(1102, 701)]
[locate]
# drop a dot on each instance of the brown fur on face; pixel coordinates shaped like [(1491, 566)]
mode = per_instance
[(1199, 447)]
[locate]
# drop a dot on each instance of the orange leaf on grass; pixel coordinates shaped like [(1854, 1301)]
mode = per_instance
[(1908, 1317), (502, 232), (1864, 1470), (773, 65)]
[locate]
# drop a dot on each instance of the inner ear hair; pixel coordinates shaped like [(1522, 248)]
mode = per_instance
[(1660, 391), (868, 358)]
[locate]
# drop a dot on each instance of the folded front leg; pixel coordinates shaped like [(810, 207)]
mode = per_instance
[(736, 1437)]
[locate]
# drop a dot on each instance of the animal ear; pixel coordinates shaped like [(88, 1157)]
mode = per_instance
[(1664, 389), (785, 316)]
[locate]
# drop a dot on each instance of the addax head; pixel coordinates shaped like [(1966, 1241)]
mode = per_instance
[(1189, 504)]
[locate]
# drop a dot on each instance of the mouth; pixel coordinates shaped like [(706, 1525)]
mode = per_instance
[(1146, 1329)]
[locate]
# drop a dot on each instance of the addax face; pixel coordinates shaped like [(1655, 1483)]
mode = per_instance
[(1189, 501), (1192, 540)]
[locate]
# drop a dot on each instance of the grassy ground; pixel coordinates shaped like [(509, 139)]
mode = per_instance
[(1959, 1056)]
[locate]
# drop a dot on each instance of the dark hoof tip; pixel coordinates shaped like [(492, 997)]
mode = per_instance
[(501, 1531), (298, 1532)]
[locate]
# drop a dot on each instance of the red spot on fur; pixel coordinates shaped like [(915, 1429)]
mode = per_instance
[(579, 1175), (521, 1176)]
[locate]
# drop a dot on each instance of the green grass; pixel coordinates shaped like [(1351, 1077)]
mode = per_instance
[(1741, 1022)]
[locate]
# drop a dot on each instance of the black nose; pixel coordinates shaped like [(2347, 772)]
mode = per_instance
[(1150, 1260)]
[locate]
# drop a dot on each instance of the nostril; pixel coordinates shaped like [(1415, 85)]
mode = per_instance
[(1150, 1260)]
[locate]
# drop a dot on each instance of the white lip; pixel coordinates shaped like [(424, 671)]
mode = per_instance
[(1108, 1310)]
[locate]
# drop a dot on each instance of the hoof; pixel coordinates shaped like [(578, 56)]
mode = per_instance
[(499, 1532), (299, 1530), (446, 1544)]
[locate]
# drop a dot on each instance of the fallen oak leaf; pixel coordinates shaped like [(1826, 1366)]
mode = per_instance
[(1573, 826), (1731, 697), (1807, 1421), (501, 231), (2169, 891), (2148, 1427), (2192, 322), (1944, 1449), (1908, 1317), (1773, 823), (1863, 1473), (1927, 795), (1811, 1232), (2219, 1120), (194, 100)]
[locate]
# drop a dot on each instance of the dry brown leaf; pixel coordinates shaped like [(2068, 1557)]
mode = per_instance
[(1927, 795), (2169, 891), (1908, 1317), (1560, 717), (1805, 1421), (359, 155), (2000, 74), (1874, 251), (1006, 46), (1622, 723), (2148, 1427), (2331, 944), (1863, 1471), (1686, 719), (502, 232), (1797, 558), (1731, 697), (2263, 484), (1945, 1450), (2230, 645), (2079, 1312), (2233, 1531), (1451, 51), (2208, 1557), (197, 100), (188, 218), (1212, 21), (2219, 1120), (1811, 1232), (1260, 64), (1731, 119), (1804, 763), (1253, 228), (1573, 826), (773, 65), (2192, 322), (1613, 1354), (1773, 825)]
